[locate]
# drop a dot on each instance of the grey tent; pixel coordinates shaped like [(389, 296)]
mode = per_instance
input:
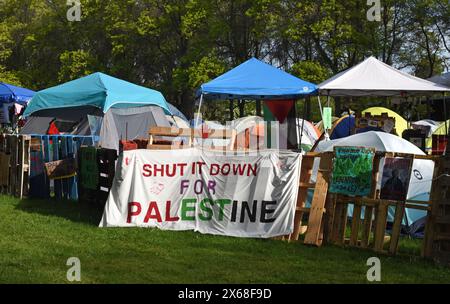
[(111, 127), (129, 123)]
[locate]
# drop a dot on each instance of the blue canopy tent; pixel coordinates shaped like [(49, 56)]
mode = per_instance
[(255, 80), (97, 90), (10, 93)]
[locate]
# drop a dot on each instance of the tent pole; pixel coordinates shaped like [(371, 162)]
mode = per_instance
[(198, 113), (445, 115), (303, 124)]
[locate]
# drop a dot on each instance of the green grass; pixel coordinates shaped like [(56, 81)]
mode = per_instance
[(37, 237)]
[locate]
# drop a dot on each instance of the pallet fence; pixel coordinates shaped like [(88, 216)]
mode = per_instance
[(14, 164), (367, 227)]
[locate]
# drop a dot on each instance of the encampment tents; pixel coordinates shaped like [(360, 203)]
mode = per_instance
[(400, 123), (256, 80), (13, 96), (442, 129), (97, 104), (309, 135)]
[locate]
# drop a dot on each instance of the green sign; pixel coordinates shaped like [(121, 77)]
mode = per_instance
[(352, 171), (88, 168), (327, 113)]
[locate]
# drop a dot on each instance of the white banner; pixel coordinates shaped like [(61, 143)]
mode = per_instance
[(244, 195)]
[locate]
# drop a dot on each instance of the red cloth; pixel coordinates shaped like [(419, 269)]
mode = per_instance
[(53, 130), (280, 108)]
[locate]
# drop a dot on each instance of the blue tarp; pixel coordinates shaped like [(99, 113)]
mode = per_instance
[(255, 79), (98, 90), (10, 93)]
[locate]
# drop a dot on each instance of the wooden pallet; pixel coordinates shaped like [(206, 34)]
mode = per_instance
[(14, 164), (172, 137), (437, 231), (367, 227), (313, 215)]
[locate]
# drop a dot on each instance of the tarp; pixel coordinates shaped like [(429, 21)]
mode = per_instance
[(255, 79), (10, 94), (422, 171), (400, 123), (375, 78), (98, 90)]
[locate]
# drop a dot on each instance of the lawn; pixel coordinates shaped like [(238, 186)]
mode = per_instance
[(37, 237)]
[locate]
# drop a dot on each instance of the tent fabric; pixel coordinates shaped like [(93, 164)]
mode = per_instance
[(310, 134), (375, 78), (98, 90), (440, 130), (175, 112), (421, 178), (443, 79), (400, 123), (428, 125), (10, 93), (178, 122), (129, 123), (38, 122), (255, 79)]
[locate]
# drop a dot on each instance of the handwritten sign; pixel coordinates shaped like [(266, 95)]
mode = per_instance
[(352, 171)]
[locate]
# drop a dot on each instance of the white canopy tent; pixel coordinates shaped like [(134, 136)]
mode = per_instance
[(375, 78)]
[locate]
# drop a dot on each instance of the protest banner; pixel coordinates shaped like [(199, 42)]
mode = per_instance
[(352, 171), (193, 189), (396, 176)]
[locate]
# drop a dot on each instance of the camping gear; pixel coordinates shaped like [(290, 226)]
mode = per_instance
[(97, 105), (435, 143), (255, 80), (428, 126), (12, 94), (12, 101), (97, 90), (310, 134), (400, 123), (421, 179), (375, 78)]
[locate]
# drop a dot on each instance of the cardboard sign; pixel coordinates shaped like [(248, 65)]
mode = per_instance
[(327, 113), (395, 181), (352, 171), (59, 169)]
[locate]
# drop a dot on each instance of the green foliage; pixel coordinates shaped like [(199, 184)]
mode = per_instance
[(174, 46)]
